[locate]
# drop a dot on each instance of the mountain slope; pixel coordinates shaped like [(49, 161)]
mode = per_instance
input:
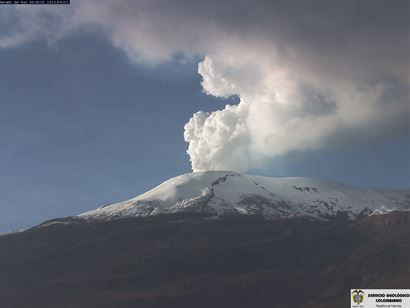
[(126, 255), (221, 193), (186, 260)]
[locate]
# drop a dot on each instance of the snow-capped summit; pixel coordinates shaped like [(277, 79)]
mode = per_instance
[(221, 193)]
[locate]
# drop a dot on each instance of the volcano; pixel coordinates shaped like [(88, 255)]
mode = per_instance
[(215, 239)]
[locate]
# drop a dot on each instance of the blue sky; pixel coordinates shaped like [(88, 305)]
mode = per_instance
[(81, 127), (82, 124)]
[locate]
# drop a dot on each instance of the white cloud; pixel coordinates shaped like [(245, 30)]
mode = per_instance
[(304, 74)]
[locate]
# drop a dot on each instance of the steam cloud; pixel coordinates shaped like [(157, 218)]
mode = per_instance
[(306, 75)]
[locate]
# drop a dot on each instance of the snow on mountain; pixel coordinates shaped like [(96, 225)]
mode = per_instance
[(220, 193)]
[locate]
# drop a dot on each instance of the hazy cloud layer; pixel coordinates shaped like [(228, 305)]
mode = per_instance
[(306, 74)]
